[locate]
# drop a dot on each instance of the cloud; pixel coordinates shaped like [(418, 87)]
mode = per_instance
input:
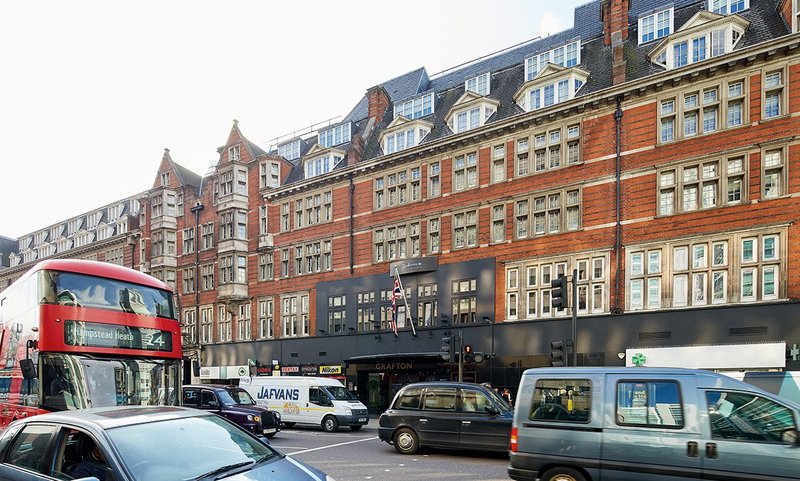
[(549, 24)]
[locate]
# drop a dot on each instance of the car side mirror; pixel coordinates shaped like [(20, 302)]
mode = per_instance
[(789, 437)]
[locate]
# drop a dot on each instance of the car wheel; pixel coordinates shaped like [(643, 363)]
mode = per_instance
[(289, 425), (356, 428), (562, 474), (406, 441), (330, 424)]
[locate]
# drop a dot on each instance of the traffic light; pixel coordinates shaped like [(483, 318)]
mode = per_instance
[(468, 353), (557, 354), (447, 348), (558, 295)]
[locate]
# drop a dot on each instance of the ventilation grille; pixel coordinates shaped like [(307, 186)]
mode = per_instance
[(747, 331), (653, 335)]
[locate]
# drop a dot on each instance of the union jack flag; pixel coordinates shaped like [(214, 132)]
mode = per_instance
[(396, 294)]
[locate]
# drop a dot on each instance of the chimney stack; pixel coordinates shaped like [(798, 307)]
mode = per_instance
[(378, 103), (615, 32)]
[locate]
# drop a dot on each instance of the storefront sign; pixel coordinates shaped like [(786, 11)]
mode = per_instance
[(286, 369), (224, 372), (209, 372), (95, 334), (421, 264), (769, 355), (394, 366), (264, 370), (328, 370), (308, 370)]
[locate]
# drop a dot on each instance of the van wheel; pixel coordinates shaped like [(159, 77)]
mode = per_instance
[(289, 425), (562, 474), (330, 424), (355, 428), (406, 441)]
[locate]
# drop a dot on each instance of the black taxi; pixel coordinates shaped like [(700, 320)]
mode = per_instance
[(235, 404), (449, 415)]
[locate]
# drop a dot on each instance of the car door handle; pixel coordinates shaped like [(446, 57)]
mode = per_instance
[(466, 423), (711, 450), (691, 449), (423, 420)]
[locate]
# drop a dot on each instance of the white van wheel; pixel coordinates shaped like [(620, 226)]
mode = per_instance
[(330, 424), (562, 474)]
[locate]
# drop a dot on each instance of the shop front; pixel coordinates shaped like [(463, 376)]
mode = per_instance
[(379, 377)]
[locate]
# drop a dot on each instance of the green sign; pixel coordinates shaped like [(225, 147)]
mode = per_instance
[(639, 359)]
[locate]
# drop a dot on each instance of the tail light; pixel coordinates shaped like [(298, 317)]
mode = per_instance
[(513, 441)]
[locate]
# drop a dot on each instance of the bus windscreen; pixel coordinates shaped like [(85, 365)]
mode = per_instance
[(71, 289)]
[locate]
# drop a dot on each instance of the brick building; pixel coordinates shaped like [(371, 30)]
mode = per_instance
[(650, 150)]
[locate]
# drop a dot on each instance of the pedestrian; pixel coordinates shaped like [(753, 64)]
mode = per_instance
[(507, 396)]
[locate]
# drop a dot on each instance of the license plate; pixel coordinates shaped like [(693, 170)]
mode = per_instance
[(362, 420), (270, 431)]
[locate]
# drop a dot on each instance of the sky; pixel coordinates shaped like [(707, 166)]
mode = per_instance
[(92, 91)]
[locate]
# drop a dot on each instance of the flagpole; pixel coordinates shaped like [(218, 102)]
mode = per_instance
[(408, 310)]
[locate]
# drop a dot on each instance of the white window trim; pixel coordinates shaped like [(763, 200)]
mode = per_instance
[(550, 57), (477, 79), (671, 11)]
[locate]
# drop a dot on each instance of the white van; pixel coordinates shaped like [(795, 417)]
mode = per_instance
[(311, 400)]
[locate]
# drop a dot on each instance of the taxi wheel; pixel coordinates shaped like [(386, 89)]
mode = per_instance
[(406, 441), (356, 428), (330, 424), (562, 474)]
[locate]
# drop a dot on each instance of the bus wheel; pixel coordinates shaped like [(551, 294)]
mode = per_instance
[(330, 424)]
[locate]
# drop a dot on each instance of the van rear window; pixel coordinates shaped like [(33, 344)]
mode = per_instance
[(649, 403), (562, 400)]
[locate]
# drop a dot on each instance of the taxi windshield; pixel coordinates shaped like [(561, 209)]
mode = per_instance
[(236, 397)]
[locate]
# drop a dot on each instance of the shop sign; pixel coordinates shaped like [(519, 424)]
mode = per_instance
[(328, 370), (308, 370), (394, 366), (209, 372), (286, 369), (224, 372), (264, 370), (421, 264)]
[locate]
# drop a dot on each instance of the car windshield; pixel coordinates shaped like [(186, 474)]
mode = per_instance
[(185, 448), (74, 382), (236, 396), (340, 393)]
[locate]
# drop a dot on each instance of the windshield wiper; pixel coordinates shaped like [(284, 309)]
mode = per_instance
[(223, 471)]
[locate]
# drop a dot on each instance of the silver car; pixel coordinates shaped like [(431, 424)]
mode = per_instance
[(153, 443)]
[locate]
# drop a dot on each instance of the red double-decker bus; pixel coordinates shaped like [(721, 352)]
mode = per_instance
[(76, 334)]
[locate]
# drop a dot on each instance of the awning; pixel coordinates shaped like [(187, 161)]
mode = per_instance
[(400, 356)]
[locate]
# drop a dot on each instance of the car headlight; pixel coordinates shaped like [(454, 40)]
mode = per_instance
[(277, 414), (255, 419), (348, 411)]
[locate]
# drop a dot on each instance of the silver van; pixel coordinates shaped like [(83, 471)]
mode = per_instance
[(592, 424)]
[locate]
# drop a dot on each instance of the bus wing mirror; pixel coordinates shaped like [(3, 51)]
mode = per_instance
[(28, 368)]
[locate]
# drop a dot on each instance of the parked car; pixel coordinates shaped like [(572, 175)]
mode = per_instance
[(446, 415), (143, 443), (639, 423), (235, 404)]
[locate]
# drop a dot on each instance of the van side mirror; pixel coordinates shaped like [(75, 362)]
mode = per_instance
[(790, 437)]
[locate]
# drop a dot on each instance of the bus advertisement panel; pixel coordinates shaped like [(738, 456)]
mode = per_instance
[(76, 334)]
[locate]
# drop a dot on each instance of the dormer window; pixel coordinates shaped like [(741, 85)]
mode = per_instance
[(416, 107), (335, 135), (470, 112), (233, 153), (705, 35), (321, 161), (724, 7), (550, 86), (480, 84), (568, 55), (655, 25), (290, 151), (164, 179), (403, 134)]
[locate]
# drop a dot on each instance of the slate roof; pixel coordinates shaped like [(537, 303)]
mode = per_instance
[(507, 67), (186, 176)]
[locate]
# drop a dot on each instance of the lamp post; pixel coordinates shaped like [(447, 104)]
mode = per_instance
[(196, 209), (487, 320)]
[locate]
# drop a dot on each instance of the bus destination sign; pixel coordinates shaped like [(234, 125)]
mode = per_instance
[(95, 334)]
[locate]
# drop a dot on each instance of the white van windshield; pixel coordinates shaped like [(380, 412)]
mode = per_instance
[(340, 393)]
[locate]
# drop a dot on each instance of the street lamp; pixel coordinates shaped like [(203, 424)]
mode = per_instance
[(487, 320), (196, 209)]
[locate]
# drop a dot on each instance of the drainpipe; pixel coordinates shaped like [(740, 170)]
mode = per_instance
[(352, 220), (618, 208)]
